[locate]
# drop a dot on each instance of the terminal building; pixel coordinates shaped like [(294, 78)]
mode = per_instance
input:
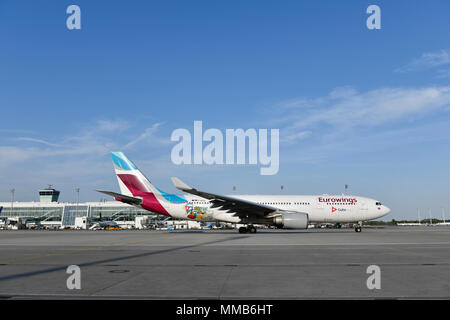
[(50, 211)]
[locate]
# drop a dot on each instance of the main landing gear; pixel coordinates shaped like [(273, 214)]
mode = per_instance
[(249, 229)]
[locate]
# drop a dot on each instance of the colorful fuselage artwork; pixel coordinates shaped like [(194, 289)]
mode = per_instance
[(197, 213)]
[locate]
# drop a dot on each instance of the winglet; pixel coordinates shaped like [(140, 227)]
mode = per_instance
[(180, 184)]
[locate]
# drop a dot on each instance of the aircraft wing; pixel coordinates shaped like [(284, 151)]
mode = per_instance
[(122, 197), (240, 207)]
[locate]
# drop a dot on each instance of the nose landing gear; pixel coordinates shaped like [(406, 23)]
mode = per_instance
[(358, 227)]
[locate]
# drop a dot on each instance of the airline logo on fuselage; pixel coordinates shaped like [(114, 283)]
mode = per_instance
[(338, 200), (333, 209)]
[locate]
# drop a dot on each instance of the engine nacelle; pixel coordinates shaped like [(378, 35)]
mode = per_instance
[(292, 220)]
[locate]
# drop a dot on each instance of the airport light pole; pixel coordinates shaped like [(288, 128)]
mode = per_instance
[(418, 214), (12, 200), (78, 198), (443, 214)]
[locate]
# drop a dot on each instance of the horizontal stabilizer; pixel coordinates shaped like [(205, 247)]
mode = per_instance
[(122, 197)]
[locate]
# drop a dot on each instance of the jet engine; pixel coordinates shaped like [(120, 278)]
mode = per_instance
[(292, 220)]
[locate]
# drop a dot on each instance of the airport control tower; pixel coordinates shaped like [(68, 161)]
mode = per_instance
[(48, 195)]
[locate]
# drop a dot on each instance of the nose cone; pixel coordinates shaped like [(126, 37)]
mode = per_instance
[(385, 210)]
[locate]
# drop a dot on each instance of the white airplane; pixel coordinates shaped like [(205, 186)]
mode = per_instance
[(283, 211)]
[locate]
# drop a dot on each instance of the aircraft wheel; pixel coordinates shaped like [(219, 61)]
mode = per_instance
[(243, 230), (251, 229), (358, 229)]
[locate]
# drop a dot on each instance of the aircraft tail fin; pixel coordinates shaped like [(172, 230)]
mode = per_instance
[(131, 181)]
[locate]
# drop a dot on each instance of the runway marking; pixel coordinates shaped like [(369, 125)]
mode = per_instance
[(162, 245), (330, 244), (303, 296)]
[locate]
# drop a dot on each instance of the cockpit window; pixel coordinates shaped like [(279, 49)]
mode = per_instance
[(378, 203)]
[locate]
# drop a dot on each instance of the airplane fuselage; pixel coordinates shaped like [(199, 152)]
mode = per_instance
[(320, 208)]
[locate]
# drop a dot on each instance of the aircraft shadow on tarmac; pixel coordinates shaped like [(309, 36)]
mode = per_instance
[(49, 270)]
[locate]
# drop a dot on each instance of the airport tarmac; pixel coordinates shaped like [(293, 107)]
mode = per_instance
[(223, 264)]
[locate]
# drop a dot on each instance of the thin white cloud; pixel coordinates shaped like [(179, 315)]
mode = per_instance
[(296, 136), (91, 141), (113, 125), (77, 158), (37, 141), (149, 135), (346, 118), (350, 108), (443, 73), (10, 155), (427, 61)]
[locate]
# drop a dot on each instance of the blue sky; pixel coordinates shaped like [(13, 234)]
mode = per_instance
[(368, 108)]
